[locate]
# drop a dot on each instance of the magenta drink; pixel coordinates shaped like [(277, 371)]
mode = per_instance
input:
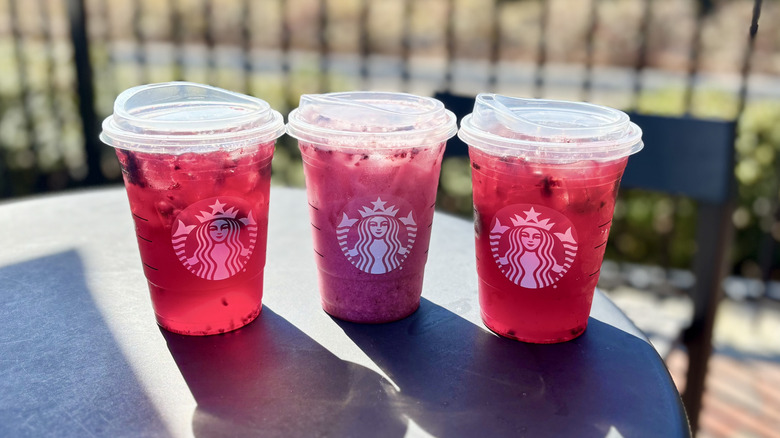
[(196, 161), (372, 163), (545, 176)]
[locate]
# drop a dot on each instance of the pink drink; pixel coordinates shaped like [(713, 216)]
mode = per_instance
[(371, 192), (517, 304), (200, 282), (199, 200), (544, 196)]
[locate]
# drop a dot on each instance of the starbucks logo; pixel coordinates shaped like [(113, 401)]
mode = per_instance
[(376, 237), (533, 246), (214, 238)]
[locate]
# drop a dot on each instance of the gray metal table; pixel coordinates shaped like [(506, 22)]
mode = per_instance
[(80, 354)]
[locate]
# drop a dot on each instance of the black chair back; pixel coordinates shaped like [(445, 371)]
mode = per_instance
[(683, 156), (693, 158), (460, 106)]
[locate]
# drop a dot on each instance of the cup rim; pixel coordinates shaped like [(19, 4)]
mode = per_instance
[(303, 130), (256, 123), (559, 147)]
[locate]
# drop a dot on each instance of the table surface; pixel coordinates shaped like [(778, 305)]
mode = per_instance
[(81, 355)]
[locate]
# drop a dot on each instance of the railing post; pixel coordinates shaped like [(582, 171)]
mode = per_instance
[(406, 44), (449, 74), (641, 57), (590, 37), (541, 50), (22, 74), (365, 43), (78, 34), (323, 85)]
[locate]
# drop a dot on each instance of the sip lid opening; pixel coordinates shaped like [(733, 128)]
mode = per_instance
[(549, 130), (178, 117), (371, 119)]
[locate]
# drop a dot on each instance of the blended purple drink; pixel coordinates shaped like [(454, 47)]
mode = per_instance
[(372, 163)]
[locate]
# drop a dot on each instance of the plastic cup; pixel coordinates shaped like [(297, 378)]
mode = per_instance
[(545, 176), (371, 162), (196, 162)]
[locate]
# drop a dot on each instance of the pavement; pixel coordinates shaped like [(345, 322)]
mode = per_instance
[(742, 397)]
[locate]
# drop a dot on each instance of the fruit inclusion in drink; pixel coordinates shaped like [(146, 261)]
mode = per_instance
[(541, 231), (201, 223), (371, 214)]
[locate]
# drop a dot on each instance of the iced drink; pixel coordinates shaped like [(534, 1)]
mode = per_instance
[(545, 176), (372, 163), (196, 161)]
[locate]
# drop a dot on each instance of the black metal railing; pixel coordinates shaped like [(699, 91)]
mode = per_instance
[(64, 62)]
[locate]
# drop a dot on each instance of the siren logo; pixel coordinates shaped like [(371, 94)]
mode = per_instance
[(376, 237), (533, 246), (214, 238)]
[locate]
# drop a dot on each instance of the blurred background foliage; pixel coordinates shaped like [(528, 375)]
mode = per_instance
[(278, 50)]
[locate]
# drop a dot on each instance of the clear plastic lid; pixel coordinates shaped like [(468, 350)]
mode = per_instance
[(549, 130), (376, 120), (179, 117)]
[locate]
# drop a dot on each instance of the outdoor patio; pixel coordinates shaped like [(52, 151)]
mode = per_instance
[(63, 63)]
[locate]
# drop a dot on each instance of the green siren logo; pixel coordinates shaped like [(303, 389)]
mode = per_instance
[(215, 239), (377, 239), (533, 246)]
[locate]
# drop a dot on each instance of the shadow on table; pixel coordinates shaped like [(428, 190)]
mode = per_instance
[(270, 379), (62, 371), (458, 379)]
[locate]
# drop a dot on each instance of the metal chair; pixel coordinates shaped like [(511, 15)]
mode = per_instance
[(693, 158)]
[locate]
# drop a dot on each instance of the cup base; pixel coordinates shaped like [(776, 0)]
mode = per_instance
[(207, 312), (370, 302), (545, 337), (366, 318), (203, 329)]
